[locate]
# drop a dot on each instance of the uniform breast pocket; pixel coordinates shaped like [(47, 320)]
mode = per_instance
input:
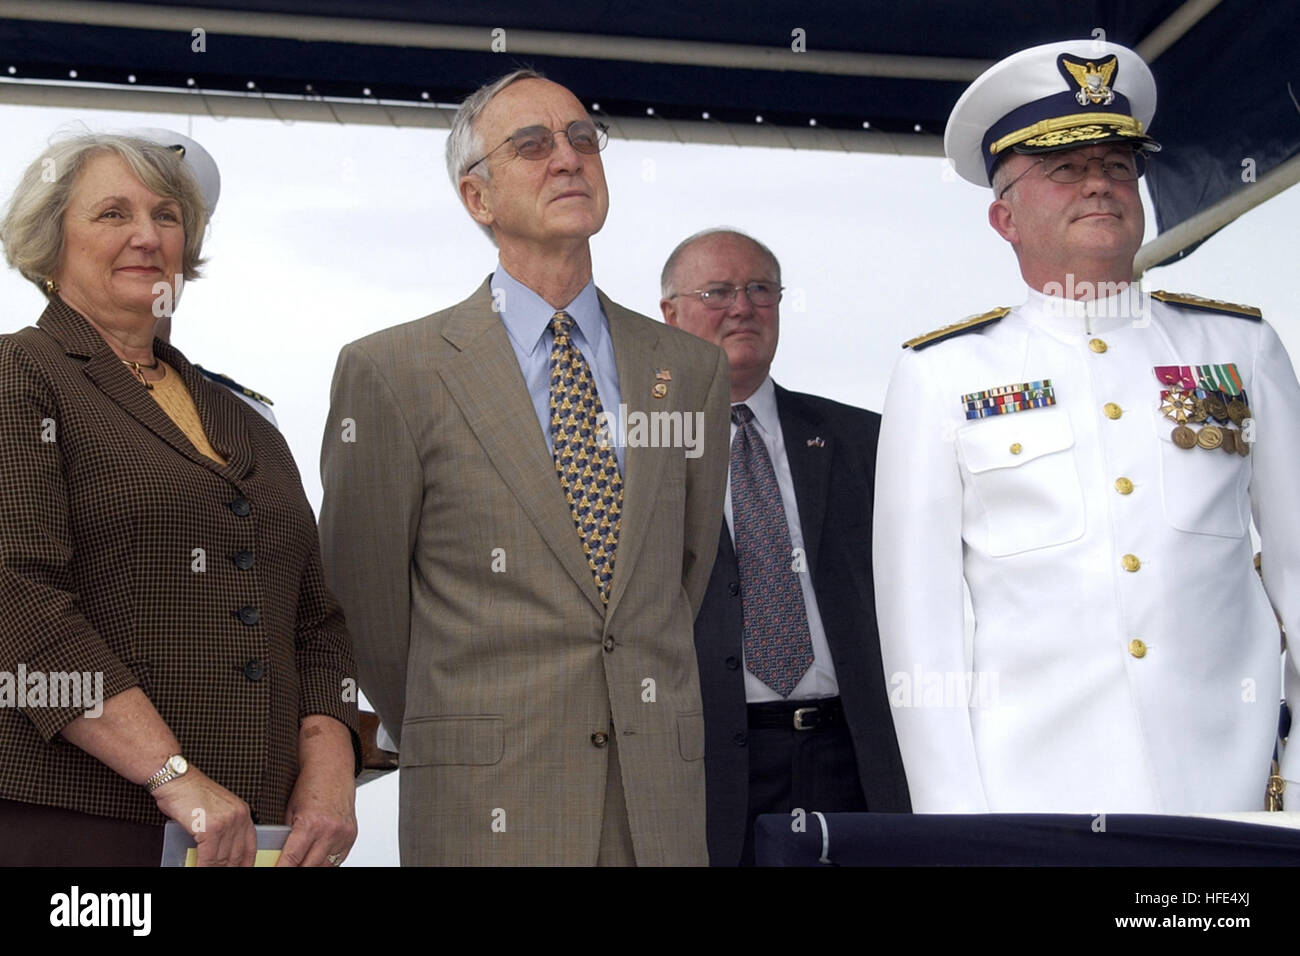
[(1022, 470), (1204, 490)]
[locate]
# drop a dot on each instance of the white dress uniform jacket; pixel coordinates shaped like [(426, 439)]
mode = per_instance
[(1126, 655)]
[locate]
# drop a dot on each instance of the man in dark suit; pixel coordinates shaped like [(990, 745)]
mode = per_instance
[(795, 708)]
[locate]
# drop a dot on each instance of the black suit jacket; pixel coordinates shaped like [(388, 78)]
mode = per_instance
[(833, 484)]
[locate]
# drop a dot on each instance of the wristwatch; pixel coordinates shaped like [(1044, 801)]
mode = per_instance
[(176, 766)]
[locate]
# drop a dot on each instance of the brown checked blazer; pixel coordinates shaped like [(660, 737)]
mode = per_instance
[(480, 635), (124, 551)]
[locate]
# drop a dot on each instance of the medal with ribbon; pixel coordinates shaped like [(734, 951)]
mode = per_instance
[(1213, 394)]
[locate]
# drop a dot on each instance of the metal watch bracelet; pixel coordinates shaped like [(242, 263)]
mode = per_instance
[(175, 766)]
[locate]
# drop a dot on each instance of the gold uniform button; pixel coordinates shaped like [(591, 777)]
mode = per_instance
[(1112, 410), (599, 739), (1016, 448), (1097, 345), (1124, 486), (1130, 562), (1137, 648)]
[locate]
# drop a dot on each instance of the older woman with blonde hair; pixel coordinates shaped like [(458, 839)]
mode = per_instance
[(171, 649)]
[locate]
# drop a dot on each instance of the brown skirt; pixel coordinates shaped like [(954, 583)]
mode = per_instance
[(35, 835)]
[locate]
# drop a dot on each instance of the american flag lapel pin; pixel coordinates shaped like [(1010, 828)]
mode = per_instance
[(817, 442)]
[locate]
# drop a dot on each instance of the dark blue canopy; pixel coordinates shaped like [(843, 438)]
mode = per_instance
[(1229, 87)]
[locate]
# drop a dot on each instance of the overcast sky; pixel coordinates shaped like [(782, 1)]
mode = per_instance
[(325, 233)]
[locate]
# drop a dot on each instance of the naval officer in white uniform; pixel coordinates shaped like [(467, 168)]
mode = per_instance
[(1089, 463)]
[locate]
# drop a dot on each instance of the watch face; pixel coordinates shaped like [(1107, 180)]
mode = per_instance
[(178, 764)]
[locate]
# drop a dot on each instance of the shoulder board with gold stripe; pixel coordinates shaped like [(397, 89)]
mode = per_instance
[(973, 324), (1208, 305), (231, 384)]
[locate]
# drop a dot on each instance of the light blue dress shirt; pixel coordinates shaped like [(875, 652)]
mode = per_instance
[(527, 317)]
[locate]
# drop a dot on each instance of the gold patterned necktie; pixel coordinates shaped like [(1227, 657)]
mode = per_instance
[(587, 465)]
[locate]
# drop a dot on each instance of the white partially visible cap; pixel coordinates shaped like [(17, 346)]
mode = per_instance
[(199, 160), (1055, 96)]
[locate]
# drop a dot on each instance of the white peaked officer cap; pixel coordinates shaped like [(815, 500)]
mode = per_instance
[(1056, 96), (198, 159)]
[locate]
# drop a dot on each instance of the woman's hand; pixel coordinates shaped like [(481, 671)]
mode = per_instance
[(219, 820), (130, 737), (322, 808)]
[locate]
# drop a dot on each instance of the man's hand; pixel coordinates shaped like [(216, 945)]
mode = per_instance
[(322, 808), (219, 820)]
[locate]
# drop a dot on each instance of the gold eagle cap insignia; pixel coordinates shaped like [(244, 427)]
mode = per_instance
[(1094, 79)]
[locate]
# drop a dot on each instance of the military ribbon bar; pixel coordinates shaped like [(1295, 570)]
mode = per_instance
[(1224, 377), (1006, 399)]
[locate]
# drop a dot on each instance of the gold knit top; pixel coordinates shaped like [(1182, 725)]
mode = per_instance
[(174, 398)]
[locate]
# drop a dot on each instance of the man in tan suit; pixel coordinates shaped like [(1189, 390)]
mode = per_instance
[(523, 495)]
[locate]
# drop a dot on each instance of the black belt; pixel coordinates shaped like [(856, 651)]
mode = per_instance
[(797, 714)]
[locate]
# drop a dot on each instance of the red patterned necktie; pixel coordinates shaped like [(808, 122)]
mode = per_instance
[(778, 644), (588, 467)]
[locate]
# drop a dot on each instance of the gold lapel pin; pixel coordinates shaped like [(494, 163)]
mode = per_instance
[(659, 390)]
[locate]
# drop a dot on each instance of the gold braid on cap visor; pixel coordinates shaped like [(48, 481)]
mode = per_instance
[(1069, 129)]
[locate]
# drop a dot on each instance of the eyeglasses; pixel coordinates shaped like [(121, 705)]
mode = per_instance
[(721, 296), (538, 142), (1073, 167)]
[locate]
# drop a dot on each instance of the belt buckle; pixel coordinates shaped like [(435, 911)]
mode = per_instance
[(799, 715)]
